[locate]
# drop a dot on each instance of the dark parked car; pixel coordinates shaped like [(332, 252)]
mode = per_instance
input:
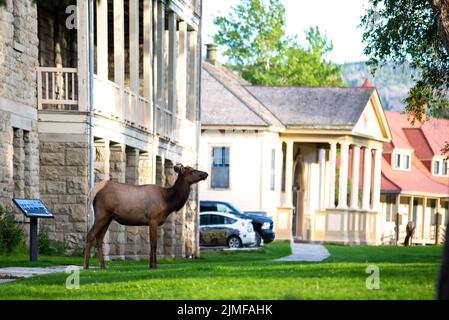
[(263, 226)]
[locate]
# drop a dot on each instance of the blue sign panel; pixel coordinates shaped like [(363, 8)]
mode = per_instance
[(33, 208)]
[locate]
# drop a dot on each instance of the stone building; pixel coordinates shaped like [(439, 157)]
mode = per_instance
[(145, 111)]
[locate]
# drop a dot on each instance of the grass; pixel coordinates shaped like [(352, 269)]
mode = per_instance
[(405, 273)]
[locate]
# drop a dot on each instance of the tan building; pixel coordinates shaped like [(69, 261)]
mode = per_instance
[(145, 110), (308, 156)]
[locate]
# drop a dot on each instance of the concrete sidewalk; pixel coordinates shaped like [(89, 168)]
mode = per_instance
[(11, 273), (306, 252)]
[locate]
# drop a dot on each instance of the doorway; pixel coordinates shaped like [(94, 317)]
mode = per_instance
[(298, 198)]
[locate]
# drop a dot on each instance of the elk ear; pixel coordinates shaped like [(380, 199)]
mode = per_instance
[(179, 169)]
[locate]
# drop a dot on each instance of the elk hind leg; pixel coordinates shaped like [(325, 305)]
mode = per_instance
[(100, 238)]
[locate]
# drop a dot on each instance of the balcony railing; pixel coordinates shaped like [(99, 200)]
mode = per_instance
[(58, 90)]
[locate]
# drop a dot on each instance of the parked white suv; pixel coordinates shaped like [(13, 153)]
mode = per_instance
[(224, 229)]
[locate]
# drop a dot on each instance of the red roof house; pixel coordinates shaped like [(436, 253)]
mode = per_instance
[(415, 175)]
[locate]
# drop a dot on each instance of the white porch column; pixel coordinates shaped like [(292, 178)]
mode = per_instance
[(423, 220), (343, 181), (333, 165), (377, 179), (289, 174), (119, 43), (83, 53), (134, 51), (366, 178), (322, 166), (148, 60), (160, 56), (172, 67), (181, 83), (193, 75), (355, 177), (102, 39)]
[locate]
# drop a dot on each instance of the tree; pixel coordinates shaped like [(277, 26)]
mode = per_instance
[(418, 31), (259, 49), (415, 30)]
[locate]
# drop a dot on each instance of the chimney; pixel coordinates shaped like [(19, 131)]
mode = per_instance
[(367, 83), (211, 55)]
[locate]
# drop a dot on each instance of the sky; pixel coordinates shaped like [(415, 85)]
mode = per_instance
[(337, 19)]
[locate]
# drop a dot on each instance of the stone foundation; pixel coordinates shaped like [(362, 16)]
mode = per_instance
[(6, 159), (64, 186)]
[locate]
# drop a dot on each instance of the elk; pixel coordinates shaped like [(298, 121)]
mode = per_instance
[(131, 205)]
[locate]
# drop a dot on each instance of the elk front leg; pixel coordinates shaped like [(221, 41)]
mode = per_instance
[(153, 243)]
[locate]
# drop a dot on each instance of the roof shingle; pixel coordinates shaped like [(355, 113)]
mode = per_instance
[(314, 107)]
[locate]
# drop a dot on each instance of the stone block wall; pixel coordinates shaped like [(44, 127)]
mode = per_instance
[(18, 51), (19, 164), (64, 187), (6, 158)]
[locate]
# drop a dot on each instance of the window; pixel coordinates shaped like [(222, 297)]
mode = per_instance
[(229, 220), (273, 169), (406, 161), (223, 208), (208, 207), (220, 167), (433, 206), (204, 219), (397, 160), (389, 208), (440, 167), (436, 167), (415, 211), (216, 219), (401, 161)]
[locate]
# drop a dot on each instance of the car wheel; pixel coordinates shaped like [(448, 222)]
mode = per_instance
[(258, 239), (234, 242)]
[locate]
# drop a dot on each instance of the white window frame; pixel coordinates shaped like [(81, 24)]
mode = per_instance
[(402, 156), (440, 161), (211, 147)]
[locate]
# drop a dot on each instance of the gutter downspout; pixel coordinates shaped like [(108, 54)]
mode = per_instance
[(198, 133), (154, 83), (91, 108)]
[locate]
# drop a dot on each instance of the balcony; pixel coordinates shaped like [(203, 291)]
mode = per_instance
[(58, 92)]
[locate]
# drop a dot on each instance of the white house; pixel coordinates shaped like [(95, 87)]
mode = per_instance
[(308, 156)]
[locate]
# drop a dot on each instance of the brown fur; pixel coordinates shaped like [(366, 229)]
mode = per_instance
[(145, 205)]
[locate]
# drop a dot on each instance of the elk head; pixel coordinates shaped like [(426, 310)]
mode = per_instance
[(189, 174)]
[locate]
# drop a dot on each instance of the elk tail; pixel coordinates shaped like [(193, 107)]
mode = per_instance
[(93, 192)]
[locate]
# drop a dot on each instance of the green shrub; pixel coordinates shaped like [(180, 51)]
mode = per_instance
[(11, 235), (49, 247)]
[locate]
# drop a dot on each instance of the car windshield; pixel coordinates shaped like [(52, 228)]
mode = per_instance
[(233, 209)]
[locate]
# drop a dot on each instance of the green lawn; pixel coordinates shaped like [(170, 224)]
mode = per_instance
[(405, 273)]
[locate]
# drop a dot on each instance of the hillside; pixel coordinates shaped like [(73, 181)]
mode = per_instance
[(392, 82)]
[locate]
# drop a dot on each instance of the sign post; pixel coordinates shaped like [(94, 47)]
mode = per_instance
[(33, 209)]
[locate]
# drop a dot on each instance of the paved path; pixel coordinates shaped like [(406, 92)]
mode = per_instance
[(26, 272), (306, 252)]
